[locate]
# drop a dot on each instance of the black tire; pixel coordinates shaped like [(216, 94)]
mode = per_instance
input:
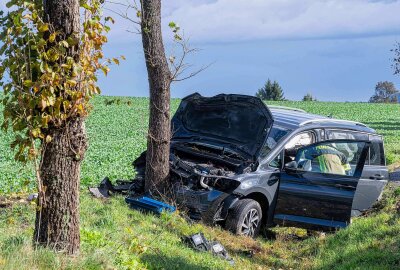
[(241, 214)]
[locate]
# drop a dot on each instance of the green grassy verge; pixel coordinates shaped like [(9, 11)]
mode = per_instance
[(116, 237)]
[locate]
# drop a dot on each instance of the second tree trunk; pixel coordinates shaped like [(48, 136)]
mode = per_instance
[(158, 138)]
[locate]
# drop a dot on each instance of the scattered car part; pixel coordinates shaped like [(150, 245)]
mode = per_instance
[(149, 205), (103, 190), (200, 243), (197, 241), (106, 188)]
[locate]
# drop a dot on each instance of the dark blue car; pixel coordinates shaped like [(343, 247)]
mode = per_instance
[(236, 162)]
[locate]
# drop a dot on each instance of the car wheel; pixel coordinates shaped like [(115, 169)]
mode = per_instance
[(245, 218)]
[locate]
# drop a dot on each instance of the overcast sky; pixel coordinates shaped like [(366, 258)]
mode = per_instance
[(336, 49)]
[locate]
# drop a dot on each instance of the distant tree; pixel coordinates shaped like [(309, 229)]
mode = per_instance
[(396, 59), (270, 91), (384, 92), (309, 97)]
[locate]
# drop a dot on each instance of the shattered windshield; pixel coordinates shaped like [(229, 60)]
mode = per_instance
[(276, 134)]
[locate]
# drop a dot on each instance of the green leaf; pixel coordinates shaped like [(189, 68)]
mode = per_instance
[(86, 6), (110, 19), (28, 83), (11, 3)]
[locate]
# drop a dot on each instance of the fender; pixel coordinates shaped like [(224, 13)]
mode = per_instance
[(257, 189), (228, 204)]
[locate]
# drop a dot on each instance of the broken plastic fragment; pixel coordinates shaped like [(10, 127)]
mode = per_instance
[(199, 242)]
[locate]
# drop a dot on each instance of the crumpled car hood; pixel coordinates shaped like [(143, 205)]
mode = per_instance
[(241, 121)]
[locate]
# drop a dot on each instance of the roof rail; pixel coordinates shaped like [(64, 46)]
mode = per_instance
[(331, 120), (285, 108)]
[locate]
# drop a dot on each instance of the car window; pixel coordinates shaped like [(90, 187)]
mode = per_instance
[(344, 134), (376, 155), (340, 158), (301, 140), (298, 141), (276, 162), (276, 134)]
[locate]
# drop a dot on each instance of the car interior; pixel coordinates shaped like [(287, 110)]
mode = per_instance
[(328, 163), (297, 142)]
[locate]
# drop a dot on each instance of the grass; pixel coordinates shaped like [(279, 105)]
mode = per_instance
[(116, 237)]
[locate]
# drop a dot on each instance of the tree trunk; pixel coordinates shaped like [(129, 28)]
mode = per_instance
[(57, 220), (158, 138)]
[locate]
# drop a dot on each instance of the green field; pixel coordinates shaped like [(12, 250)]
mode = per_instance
[(115, 237), (117, 135)]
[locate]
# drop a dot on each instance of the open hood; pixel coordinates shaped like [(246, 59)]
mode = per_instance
[(238, 120)]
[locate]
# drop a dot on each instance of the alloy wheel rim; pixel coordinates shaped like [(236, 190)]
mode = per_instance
[(250, 222)]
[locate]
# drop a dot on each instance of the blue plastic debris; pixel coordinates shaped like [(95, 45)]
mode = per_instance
[(149, 205)]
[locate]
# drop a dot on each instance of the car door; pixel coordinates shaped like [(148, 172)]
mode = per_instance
[(375, 173), (320, 197)]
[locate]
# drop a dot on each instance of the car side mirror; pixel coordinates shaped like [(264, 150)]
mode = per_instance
[(291, 166)]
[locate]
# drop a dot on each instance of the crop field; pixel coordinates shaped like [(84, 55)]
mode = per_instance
[(117, 135), (116, 237)]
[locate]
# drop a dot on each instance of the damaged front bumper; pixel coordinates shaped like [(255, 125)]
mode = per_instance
[(210, 206)]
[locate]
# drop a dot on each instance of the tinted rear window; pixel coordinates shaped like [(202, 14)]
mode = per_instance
[(346, 135), (376, 154)]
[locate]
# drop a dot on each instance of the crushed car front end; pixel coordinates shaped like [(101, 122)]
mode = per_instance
[(215, 142)]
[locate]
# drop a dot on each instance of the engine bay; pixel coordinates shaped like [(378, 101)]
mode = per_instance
[(201, 168)]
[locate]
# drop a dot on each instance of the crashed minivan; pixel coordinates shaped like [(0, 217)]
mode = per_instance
[(239, 163)]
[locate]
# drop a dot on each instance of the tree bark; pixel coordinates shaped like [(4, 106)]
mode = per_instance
[(159, 132), (57, 219)]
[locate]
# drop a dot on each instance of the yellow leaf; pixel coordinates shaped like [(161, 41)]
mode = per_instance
[(80, 109), (44, 28), (36, 132), (48, 138), (52, 37), (72, 82), (105, 70), (116, 61), (64, 43)]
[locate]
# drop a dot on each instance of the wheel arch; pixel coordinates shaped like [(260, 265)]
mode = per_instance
[(262, 200)]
